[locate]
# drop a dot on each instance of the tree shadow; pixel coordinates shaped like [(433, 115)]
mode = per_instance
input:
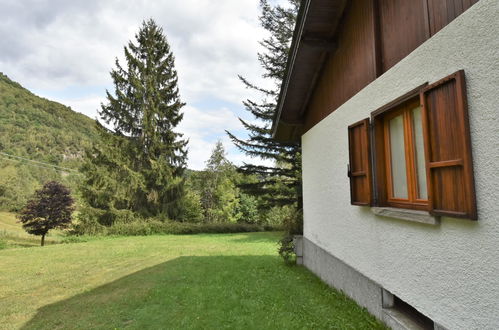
[(256, 292), (183, 291), (15, 241)]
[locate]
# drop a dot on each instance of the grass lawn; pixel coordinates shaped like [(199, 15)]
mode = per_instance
[(13, 235), (233, 281)]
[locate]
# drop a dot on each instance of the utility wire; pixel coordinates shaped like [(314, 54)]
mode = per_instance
[(36, 163)]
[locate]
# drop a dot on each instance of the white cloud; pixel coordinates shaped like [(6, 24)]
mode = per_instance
[(88, 105), (52, 46), (203, 128)]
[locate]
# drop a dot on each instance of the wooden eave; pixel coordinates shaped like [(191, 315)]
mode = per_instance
[(313, 40)]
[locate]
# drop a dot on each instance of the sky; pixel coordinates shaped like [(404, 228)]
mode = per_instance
[(64, 50)]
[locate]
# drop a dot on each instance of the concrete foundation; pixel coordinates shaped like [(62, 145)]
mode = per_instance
[(368, 294), (343, 277)]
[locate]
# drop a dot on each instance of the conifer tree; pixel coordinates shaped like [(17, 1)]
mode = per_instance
[(280, 184), (138, 166)]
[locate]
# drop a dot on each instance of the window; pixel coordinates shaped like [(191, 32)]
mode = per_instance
[(415, 152), (404, 156)]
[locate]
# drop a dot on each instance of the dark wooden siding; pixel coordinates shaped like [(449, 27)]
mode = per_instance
[(373, 36), (350, 68), (442, 12), (403, 27)]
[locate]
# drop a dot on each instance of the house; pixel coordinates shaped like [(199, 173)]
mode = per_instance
[(396, 103)]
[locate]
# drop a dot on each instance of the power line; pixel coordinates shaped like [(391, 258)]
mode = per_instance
[(36, 163)]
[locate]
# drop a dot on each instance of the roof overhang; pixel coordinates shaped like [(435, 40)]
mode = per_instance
[(313, 40)]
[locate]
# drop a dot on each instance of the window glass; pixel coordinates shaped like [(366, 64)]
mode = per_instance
[(397, 151), (419, 153)]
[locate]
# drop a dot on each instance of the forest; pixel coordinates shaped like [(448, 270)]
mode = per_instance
[(40, 130), (42, 140), (127, 170)]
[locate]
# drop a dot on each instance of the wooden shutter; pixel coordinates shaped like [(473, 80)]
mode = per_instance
[(359, 169), (449, 166)]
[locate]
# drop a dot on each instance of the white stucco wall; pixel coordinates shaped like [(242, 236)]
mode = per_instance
[(450, 272)]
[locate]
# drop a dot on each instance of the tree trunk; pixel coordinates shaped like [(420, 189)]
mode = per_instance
[(43, 239)]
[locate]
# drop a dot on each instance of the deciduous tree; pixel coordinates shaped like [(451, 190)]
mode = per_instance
[(219, 195), (51, 207)]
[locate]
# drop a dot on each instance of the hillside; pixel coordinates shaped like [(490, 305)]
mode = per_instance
[(41, 130)]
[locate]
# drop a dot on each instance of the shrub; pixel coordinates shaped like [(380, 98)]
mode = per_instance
[(77, 239), (292, 225), (247, 209), (191, 205), (278, 216), (87, 224), (3, 244), (154, 226), (135, 228), (287, 249), (141, 228), (123, 216)]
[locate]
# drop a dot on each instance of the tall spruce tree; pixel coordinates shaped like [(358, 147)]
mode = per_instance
[(280, 184), (138, 166)]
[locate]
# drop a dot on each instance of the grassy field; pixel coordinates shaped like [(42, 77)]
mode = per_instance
[(13, 235), (219, 281)]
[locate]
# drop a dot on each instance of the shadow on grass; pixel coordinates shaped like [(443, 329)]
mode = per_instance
[(243, 292), (14, 241)]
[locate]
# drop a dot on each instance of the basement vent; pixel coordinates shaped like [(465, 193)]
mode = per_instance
[(400, 315)]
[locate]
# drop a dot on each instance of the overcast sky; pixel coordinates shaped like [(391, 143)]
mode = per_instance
[(63, 50)]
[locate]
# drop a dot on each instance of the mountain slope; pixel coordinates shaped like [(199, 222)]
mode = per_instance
[(38, 129)]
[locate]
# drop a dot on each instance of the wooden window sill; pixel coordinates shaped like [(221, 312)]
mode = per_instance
[(407, 214)]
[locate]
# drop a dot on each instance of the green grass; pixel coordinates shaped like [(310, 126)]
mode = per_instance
[(203, 281), (13, 235)]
